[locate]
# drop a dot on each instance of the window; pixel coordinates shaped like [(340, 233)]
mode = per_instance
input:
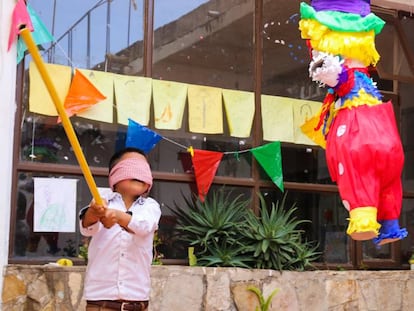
[(244, 45)]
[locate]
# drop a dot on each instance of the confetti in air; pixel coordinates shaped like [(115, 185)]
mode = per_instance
[(270, 29)]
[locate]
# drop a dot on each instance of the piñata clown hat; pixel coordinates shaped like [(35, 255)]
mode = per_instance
[(342, 27)]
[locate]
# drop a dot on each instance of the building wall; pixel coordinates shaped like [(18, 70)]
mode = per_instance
[(7, 116), (178, 288), (406, 5)]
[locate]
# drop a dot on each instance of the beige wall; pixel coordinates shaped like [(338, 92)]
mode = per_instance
[(405, 5), (7, 108), (179, 288)]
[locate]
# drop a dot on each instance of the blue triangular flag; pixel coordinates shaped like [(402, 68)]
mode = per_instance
[(141, 137)]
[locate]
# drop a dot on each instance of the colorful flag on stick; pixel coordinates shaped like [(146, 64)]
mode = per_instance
[(205, 164), (20, 18), (82, 95), (141, 137), (270, 158), (40, 34)]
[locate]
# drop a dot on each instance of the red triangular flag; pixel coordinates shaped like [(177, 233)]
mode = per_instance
[(205, 164), (20, 18), (82, 95)]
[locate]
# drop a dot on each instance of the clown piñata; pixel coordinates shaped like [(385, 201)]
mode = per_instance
[(363, 147)]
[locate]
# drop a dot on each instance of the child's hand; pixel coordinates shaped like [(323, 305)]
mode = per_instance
[(94, 213), (110, 218), (98, 210)]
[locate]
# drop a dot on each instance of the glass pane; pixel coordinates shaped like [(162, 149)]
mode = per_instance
[(92, 33), (371, 251), (172, 156), (407, 132), (42, 245), (285, 73), (393, 57), (407, 24), (407, 221), (285, 55), (170, 195), (45, 141), (328, 221), (204, 42), (305, 164), (29, 242)]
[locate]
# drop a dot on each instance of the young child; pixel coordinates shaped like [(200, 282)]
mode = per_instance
[(122, 231)]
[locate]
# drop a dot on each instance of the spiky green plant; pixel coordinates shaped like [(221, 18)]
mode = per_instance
[(224, 254), (275, 240), (225, 232), (213, 228)]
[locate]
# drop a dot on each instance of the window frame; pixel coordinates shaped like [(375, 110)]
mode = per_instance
[(254, 183)]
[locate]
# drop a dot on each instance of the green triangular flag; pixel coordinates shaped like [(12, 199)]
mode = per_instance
[(270, 158), (40, 34)]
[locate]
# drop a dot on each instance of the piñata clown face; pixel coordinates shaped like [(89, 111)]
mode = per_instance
[(339, 33), (363, 148)]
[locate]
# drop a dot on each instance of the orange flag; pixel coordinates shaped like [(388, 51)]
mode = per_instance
[(205, 164), (82, 95)]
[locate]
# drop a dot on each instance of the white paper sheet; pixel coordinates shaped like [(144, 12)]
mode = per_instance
[(54, 205)]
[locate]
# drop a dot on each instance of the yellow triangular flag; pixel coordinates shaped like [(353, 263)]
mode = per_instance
[(205, 109), (277, 118), (169, 103), (39, 98), (133, 98), (103, 81), (239, 107)]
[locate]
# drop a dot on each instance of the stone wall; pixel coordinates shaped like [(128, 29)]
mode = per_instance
[(182, 288)]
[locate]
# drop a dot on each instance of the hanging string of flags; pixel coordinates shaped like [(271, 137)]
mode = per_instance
[(103, 93), (83, 92), (205, 162)]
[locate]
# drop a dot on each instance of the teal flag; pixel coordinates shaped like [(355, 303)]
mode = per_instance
[(40, 34), (269, 157)]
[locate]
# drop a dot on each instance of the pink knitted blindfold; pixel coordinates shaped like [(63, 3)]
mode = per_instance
[(131, 168)]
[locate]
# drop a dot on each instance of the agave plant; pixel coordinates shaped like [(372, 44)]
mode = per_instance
[(225, 232), (224, 254), (213, 228), (306, 253), (275, 240)]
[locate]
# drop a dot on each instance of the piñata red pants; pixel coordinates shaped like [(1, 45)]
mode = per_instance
[(365, 158)]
